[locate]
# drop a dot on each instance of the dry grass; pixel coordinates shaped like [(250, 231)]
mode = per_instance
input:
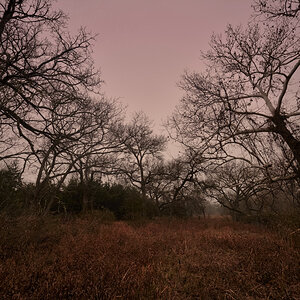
[(83, 259)]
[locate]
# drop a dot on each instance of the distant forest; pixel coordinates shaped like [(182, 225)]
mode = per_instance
[(66, 148)]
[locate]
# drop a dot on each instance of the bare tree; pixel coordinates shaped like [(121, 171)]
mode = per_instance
[(247, 101), (280, 8), (176, 183), (83, 154), (43, 71), (240, 188), (142, 150)]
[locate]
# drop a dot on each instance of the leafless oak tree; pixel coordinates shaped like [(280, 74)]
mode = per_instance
[(247, 101), (175, 182), (84, 154), (43, 72), (240, 188), (142, 150)]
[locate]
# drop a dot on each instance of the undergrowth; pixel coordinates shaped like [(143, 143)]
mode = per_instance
[(86, 258)]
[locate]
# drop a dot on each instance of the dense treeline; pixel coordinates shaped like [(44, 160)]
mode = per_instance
[(114, 201), (121, 202), (267, 204)]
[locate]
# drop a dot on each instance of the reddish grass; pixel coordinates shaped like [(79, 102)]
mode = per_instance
[(83, 259)]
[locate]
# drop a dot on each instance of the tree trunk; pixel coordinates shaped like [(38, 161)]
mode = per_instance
[(49, 204), (288, 137), (144, 197), (85, 198)]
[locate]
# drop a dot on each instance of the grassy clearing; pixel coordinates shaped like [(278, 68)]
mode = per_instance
[(82, 258)]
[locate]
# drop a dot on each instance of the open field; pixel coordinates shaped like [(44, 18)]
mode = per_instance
[(81, 258)]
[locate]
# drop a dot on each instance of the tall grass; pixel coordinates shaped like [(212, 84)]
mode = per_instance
[(82, 258)]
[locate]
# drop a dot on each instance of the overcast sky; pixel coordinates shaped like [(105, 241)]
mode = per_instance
[(143, 46)]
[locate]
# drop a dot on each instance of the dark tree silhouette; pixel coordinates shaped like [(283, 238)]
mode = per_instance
[(248, 99), (176, 183), (44, 71), (239, 187), (142, 150), (87, 154), (280, 8)]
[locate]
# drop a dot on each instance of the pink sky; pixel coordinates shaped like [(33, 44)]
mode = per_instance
[(143, 46)]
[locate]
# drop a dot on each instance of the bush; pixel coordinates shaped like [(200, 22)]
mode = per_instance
[(10, 183), (125, 203)]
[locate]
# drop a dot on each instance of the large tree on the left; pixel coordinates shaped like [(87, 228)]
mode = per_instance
[(45, 74)]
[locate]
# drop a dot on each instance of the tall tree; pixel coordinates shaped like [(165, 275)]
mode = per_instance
[(248, 98), (83, 154), (142, 150), (43, 72)]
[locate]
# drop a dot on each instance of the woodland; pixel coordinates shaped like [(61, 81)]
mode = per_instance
[(67, 148), (77, 175)]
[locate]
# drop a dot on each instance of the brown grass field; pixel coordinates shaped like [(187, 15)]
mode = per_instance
[(82, 258)]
